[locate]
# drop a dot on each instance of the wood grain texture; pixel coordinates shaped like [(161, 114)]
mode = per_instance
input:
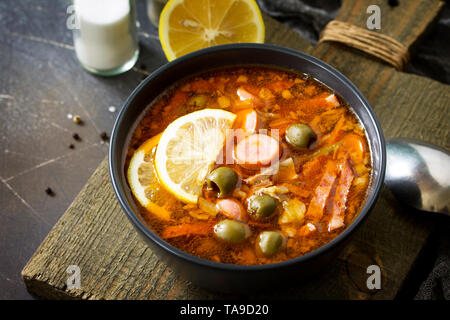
[(115, 264)]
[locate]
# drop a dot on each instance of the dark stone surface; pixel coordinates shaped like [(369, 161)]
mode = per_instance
[(41, 82)]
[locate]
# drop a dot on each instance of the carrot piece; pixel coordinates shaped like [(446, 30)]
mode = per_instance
[(186, 230), (247, 120), (298, 191), (307, 230), (355, 145), (321, 193), (340, 198), (322, 102), (257, 150), (232, 209)]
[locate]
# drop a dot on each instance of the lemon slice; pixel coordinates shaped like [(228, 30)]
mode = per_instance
[(189, 25), (144, 183), (188, 149)]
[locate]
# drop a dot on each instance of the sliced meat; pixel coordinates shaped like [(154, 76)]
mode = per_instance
[(337, 209), (321, 193)]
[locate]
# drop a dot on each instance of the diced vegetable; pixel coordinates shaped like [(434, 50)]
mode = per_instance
[(158, 211), (224, 102), (273, 191), (355, 145), (242, 79), (207, 206), (198, 100), (294, 211), (286, 171), (286, 94), (266, 94), (307, 230)]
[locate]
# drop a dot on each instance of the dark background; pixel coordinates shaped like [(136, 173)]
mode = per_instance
[(41, 83)]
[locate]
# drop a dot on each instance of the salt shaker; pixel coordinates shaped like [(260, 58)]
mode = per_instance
[(106, 40)]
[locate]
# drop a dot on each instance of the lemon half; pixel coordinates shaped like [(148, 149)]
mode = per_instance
[(188, 149), (189, 25)]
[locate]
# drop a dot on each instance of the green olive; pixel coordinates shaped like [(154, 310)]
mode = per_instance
[(270, 242), (262, 206), (223, 179), (299, 135), (231, 231)]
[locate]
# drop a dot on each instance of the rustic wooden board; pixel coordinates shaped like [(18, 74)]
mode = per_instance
[(115, 264)]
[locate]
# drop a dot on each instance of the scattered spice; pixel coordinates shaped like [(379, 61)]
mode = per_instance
[(77, 120), (49, 191), (393, 3), (71, 146), (104, 136), (76, 137)]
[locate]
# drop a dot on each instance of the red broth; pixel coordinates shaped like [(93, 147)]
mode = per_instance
[(319, 189)]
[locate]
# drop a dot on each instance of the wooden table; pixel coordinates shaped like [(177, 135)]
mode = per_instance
[(46, 83)]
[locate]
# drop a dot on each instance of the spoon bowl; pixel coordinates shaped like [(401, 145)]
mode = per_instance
[(418, 174)]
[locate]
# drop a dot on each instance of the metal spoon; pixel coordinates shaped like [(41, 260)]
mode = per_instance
[(418, 174)]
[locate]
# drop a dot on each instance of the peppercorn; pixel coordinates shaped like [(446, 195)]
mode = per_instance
[(77, 119), (104, 136), (49, 191)]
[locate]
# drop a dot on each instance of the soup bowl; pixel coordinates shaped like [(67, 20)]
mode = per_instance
[(220, 276)]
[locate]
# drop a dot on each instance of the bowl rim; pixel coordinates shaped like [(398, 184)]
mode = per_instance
[(148, 233)]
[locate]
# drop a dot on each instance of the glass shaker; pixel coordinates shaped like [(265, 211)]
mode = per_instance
[(154, 9), (105, 35)]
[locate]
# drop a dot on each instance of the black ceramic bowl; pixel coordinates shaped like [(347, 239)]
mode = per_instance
[(220, 276)]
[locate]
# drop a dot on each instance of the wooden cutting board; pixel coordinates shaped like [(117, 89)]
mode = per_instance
[(95, 235)]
